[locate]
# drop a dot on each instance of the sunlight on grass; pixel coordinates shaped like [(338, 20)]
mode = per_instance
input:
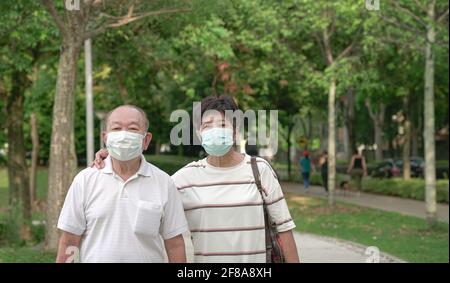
[(25, 255), (403, 236)]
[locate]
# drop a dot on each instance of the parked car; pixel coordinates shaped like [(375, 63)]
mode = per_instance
[(386, 169), (417, 165)]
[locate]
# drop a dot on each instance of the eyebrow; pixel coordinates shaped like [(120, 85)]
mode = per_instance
[(211, 119), (114, 123), (207, 120)]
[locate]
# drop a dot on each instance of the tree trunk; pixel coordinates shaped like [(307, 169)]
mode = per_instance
[(407, 150), (346, 144), (158, 147), (122, 87), (429, 123), (309, 117), (378, 141), (331, 141), (17, 166), (378, 122), (63, 159), (416, 129), (34, 158), (391, 149), (323, 132), (379, 131), (414, 141), (349, 115), (89, 102)]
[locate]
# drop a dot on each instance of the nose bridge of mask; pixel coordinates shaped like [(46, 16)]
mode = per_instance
[(125, 136), (124, 145), (127, 142), (119, 136), (217, 141), (217, 136)]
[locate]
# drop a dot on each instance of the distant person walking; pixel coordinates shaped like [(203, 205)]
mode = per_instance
[(357, 169), (305, 165), (323, 163)]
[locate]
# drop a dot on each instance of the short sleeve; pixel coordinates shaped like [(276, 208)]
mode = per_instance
[(72, 217), (276, 203), (174, 221)]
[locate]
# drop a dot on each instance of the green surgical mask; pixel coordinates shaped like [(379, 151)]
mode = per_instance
[(217, 141)]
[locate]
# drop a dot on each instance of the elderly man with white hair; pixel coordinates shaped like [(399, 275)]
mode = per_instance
[(128, 210)]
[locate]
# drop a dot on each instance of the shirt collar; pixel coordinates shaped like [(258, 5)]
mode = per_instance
[(144, 169)]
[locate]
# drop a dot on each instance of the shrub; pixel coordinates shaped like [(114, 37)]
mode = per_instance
[(314, 179), (169, 163), (413, 189), (38, 232), (442, 171), (9, 229)]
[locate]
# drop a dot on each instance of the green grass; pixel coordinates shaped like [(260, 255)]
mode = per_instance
[(41, 185), (3, 188), (25, 255), (402, 236)]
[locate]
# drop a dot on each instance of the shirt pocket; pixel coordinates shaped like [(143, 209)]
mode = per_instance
[(148, 218)]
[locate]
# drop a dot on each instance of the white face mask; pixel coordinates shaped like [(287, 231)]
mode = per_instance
[(124, 145)]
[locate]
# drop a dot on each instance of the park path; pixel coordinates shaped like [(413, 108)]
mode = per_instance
[(319, 249), (404, 206)]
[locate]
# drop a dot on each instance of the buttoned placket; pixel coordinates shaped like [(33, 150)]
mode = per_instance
[(122, 184)]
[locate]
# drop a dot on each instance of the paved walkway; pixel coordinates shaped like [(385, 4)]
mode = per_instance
[(320, 249), (387, 203)]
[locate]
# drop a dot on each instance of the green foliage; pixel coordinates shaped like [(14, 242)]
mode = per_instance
[(169, 163), (413, 189), (9, 230), (212, 39), (269, 52)]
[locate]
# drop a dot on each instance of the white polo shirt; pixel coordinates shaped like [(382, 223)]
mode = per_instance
[(123, 221)]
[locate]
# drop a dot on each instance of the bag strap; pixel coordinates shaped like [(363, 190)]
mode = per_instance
[(256, 173), (257, 177), (261, 190)]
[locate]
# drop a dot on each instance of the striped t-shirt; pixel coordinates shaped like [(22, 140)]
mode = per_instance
[(224, 209)]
